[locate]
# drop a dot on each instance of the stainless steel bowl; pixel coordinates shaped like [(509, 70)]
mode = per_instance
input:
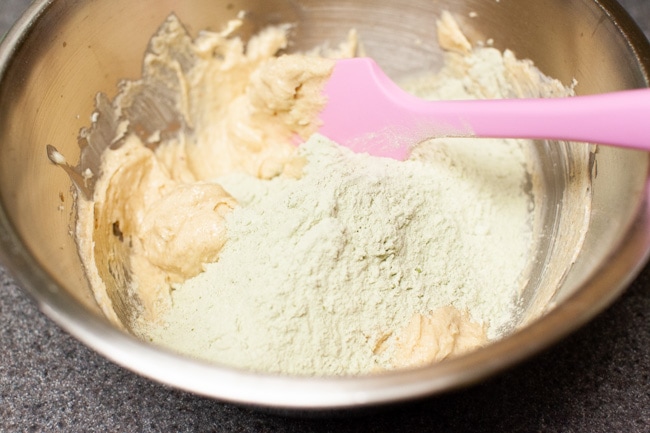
[(61, 53)]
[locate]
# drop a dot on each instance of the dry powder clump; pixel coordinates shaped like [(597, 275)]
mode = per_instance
[(320, 272)]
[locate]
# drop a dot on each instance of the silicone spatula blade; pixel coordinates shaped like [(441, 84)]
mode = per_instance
[(368, 112)]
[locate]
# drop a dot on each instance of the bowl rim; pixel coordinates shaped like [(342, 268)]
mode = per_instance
[(317, 393)]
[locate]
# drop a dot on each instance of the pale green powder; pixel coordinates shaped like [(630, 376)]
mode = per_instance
[(316, 270)]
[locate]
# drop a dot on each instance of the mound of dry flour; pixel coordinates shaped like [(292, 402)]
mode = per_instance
[(320, 272)]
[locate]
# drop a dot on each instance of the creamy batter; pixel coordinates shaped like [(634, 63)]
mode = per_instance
[(158, 215), (154, 218)]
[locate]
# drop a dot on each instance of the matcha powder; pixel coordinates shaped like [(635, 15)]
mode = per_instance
[(320, 273)]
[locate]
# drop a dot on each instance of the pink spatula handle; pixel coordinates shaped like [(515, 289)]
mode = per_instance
[(367, 112)]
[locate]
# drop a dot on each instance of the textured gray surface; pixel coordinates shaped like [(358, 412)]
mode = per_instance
[(597, 380)]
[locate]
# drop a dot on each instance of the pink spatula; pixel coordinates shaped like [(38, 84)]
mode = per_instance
[(367, 112)]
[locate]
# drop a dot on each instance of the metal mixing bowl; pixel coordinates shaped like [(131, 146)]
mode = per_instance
[(61, 53)]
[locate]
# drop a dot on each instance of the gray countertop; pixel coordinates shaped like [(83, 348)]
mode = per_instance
[(597, 380)]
